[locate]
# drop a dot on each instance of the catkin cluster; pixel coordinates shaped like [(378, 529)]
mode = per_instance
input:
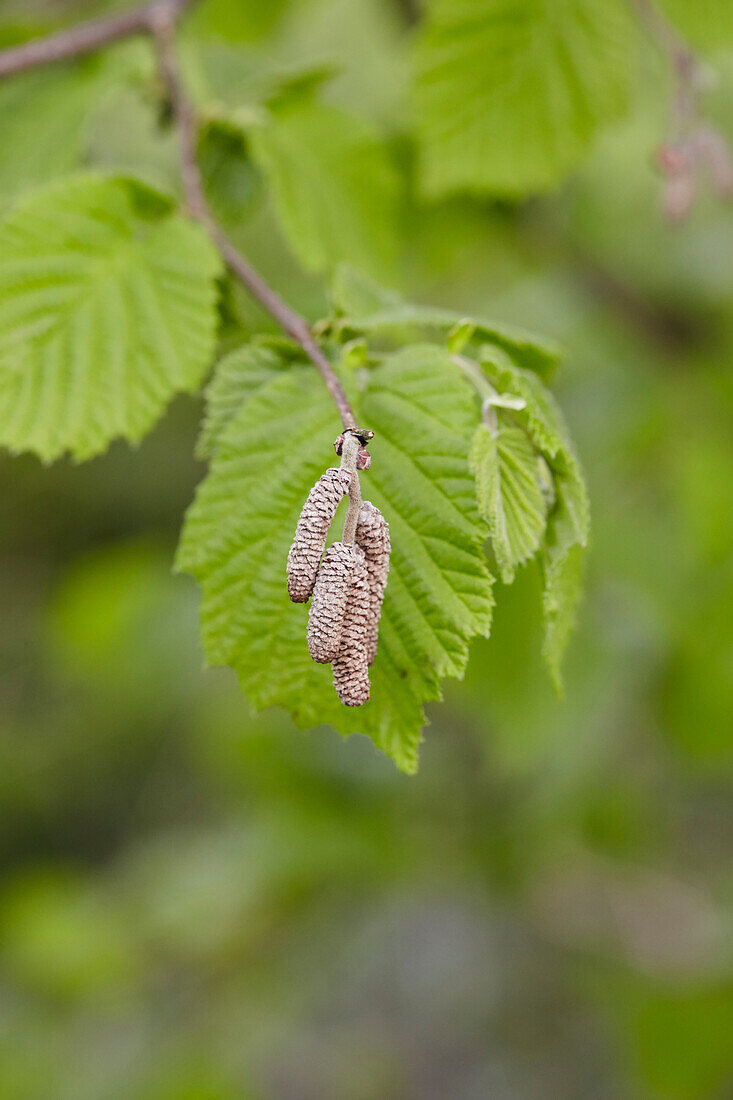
[(346, 582)]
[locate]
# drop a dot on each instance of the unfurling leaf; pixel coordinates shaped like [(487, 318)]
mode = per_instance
[(509, 494)]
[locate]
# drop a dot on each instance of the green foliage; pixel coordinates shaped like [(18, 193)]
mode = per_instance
[(237, 377), (185, 886), (41, 124), (104, 316), (509, 494), (238, 532), (334, 187), (510, 92), (568, 520), (707, 23)]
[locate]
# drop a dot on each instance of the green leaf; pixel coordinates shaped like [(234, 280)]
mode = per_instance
[(510, 93), (41, 121), (125, 136), (237, 376), (334, 187), (240, 527), (509, 494), (568, 521), (104, 316), (544, 419)]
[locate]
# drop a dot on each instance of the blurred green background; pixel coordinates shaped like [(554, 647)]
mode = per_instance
[(198, 904)]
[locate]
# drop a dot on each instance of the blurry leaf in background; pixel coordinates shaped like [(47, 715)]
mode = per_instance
[(439, 594), (363, 42), (243, 21), (103, 316), (125, 136), (707, 23), (510, 93), (42, 117), (362, 307), (334, 187), (233, 183), (679, 1040)]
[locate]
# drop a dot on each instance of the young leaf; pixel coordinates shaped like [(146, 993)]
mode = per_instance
[(334, 187), (104, 316), (509, 494), (568, 521), (510, 92), (239, 530)]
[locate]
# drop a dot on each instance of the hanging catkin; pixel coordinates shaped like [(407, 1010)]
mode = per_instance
[(351, 667), (330, 595), (372, 535), (310, 534)]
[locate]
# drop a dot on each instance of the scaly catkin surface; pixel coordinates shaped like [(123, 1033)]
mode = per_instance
[(351, 667), (372, 535), (310, 533), (330, 595)]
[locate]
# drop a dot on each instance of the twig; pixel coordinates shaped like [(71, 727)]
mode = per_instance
[(349, 454), (84, 38), (159, 21)]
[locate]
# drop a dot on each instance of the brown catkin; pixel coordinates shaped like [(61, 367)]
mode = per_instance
[(372, 535), (310, 534), (330, 594), (351, 667)]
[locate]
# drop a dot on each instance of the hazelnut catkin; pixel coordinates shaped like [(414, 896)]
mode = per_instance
[(330, 595), (372, 535), (310, 534), (350, 667)]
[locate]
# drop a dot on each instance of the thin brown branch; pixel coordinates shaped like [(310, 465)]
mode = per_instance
[(84, 38), (159, 20)]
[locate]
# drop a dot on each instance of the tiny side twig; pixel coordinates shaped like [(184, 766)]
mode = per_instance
[(159, 20)]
